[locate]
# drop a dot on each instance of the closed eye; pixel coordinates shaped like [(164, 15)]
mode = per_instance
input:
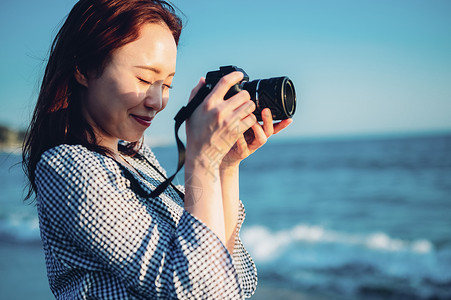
[(165, 86), (144, 81)]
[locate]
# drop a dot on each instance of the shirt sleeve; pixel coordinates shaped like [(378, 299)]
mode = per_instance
[(111, 229), (244, 265)]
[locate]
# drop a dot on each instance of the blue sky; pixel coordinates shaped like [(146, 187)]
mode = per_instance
[(359, 67)]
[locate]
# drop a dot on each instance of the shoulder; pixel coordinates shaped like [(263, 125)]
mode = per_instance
[(79, 176), (75, 160), (68, 155), (66, 152)]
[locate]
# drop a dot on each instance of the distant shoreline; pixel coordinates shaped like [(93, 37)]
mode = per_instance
[(10, 139), (15, 146)]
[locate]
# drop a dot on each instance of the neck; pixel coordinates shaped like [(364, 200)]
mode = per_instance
[(103, 139), (111, 144)]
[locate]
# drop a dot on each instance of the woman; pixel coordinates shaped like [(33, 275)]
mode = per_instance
[(108, 75)]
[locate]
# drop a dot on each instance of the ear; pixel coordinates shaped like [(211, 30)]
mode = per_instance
[(81, 78)]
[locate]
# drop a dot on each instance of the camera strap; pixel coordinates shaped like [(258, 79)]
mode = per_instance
[(184, 113)]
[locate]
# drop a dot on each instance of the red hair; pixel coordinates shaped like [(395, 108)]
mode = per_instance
[(85, 42)]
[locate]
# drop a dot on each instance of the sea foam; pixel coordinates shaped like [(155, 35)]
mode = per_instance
[(266, 243), (316, 257)]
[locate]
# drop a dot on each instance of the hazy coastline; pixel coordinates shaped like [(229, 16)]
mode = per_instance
[(11, 139)]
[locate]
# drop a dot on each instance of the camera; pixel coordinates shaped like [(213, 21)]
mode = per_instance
[(276, 93)]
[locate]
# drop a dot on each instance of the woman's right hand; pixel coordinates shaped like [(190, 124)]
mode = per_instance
[(215, 125), (211, 131)]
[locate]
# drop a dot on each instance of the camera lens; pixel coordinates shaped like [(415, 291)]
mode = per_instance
[(276, 93), (289, 96)]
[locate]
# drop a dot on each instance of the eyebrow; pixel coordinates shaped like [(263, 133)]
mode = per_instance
[(155, 70)]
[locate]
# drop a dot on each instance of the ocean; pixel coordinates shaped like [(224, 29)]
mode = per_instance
[(357, 219)]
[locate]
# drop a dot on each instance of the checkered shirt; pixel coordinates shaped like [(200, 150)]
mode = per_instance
[(102, 240)]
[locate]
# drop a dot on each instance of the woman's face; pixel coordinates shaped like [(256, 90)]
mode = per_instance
[(133, 88)]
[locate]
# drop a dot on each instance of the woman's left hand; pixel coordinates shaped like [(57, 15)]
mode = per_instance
[(253, 139)]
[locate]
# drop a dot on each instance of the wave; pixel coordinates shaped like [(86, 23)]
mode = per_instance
[(315, 257), (267, 243)]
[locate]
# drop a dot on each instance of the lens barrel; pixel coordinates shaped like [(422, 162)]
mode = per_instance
[(278, 94)]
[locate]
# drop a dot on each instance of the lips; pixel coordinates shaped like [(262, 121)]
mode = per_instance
[(143, 120)]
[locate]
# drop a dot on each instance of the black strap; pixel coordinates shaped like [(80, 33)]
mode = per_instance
[(134, 184), (184, 113), (180, 193)]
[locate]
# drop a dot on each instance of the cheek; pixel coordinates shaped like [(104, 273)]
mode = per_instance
[(131, 99), (122, 96), (110, 106)]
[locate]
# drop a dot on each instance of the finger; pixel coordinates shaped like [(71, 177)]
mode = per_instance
[(237, 107), (241, 144), (225, 83), (247, 123), (240, 107), (282, 125), (239, 127), (196, 89), (260, 137), (268, 125), (236, 101)]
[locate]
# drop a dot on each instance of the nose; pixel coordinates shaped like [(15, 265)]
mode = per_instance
[(154, 98)]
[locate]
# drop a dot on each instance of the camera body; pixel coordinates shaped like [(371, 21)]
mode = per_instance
[(276, 93)]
